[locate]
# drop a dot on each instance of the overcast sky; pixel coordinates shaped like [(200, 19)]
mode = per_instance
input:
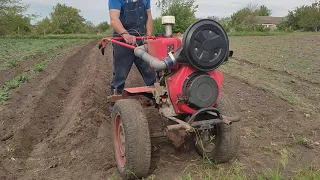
[(97, 10)]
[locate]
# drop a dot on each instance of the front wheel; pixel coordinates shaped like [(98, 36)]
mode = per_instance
[(221, 143), (131, 139)]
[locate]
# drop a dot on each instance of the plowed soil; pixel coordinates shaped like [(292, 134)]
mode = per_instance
[(57, 126)]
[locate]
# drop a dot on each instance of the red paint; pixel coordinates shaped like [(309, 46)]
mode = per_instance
[(175, 87), (158, 47), (137, 37), (119, 148), (117, 40), (123, 44)]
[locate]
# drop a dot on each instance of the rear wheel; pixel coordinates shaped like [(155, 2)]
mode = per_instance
[(131, 139), (221, 143)]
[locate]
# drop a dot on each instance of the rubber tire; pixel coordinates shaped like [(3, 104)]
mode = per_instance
[(137, 136), (227, 137)]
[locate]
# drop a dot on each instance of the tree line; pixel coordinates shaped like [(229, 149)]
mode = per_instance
[(62, 20), (303, 18), (67, 20)]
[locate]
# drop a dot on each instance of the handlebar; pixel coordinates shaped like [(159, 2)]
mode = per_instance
[(117, 40), (141, 52)]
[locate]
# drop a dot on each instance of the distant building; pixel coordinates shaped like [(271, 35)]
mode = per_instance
[(269, 22)]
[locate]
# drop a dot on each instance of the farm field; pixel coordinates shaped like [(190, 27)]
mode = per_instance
[(14, 51), (21, 58), (56, 125)]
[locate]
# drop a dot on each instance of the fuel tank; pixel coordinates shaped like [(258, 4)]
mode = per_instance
[(159, 48)]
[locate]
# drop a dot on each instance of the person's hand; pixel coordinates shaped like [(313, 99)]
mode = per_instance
[(129, 38)]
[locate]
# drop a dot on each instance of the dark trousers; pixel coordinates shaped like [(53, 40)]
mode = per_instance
[(123, 59)]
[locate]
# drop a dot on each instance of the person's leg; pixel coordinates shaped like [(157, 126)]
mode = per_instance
[(123, 59), (148, 74)]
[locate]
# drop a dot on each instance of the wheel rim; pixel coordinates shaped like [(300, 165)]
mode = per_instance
[(119, 141), (208, 145)]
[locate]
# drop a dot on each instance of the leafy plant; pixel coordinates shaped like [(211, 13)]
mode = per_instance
[(4, 96), (183, 10)]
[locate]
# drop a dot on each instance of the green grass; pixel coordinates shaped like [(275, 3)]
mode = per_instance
[(17, 81), (4, 96), (208, 171), (60, 36), (289, 54), (39, 67), (14, 51), (272, 33), (307, 174), (287, 66), (14, 83)]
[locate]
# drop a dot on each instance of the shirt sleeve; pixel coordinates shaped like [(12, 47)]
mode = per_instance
[(148, 5), (115, 4)]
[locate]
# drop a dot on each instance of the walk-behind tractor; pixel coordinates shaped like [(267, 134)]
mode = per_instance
[(187, 94)]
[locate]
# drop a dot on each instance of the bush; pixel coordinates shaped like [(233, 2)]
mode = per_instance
[(158, 28), (251, 28)]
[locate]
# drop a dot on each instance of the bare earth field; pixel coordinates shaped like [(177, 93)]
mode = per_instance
[(56, 125)]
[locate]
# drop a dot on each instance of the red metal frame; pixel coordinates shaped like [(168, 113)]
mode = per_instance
[(175, 82), (117, 40)]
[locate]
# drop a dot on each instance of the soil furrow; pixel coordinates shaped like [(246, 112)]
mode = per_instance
[(283, 73), (36, 120), (296, 92)]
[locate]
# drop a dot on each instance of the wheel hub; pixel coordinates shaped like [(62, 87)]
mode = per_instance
[(122, 140), (206, 140), (119, 141)]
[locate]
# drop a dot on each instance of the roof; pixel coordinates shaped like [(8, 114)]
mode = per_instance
[(269, 20)]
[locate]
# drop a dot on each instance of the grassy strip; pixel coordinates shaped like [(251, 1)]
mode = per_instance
[(17, 81), (272, 33), (60, 36), (14, 62), (39, 67), (208, 170)]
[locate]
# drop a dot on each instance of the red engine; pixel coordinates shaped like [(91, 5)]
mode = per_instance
[(191, 90), (193, 82)]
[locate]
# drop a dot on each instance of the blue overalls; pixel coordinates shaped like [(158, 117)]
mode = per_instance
[(134, 18)]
